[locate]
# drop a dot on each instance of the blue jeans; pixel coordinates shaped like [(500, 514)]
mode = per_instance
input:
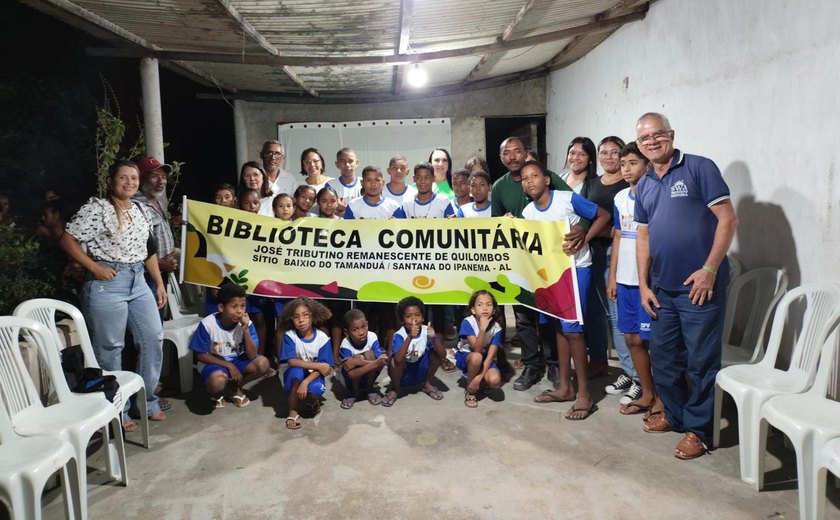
[(601, 317), (125, 300), (685, 346)]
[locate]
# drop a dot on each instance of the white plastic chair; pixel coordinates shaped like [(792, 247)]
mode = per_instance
[(44, 310), (827, 460), (73, 419), (27, 463), (809, 420), (752, 385), (178, 307), (179, 332), (754, 295), (735, 268)]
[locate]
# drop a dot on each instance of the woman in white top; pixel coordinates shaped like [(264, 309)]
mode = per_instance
[(312, 168), (116, 232), (580, 163)]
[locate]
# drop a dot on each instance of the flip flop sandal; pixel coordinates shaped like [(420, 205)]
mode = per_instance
[(548, 396), (388, 401), (348, 403), (690, 447), (448, 366), (295, 422), (240, 401), (470, 400), (374, 398), (656, 423), (164, 405), (633, 408), (218, 403), (129, 426), (589, 411), (434, 393)]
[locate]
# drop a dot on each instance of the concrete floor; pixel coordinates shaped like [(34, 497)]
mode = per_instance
[(509, 458)]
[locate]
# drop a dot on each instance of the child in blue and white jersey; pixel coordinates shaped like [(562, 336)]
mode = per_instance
[(372, 204), (549, 205), (308, 353), (480, 341), (480, 207), (623, 281), (361, 359), (225, 346), (416, 352)]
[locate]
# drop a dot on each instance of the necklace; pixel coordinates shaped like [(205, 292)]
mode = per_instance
[(428, 208)]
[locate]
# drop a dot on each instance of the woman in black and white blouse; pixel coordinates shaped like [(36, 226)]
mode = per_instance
[(115, 232)]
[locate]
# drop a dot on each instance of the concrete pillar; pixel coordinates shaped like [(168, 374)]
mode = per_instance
[(152, 115), (240, 133)]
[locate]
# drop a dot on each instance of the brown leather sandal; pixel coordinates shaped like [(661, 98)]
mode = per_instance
[(656, 423), (690, 447)]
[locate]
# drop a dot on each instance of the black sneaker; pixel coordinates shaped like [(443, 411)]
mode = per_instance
[(530, 376), (633, 393), (619, 386)]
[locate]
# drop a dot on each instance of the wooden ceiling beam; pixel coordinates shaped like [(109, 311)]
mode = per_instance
[(402, 59), (517, 19), (255, 35), (406, 19), (557, 59)]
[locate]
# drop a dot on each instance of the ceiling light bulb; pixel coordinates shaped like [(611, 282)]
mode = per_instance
[(417, 77)]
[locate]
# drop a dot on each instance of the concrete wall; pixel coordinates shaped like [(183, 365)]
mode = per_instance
[(467, 112), (752, 85)]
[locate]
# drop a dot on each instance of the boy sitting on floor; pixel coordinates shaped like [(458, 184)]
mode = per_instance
[(227, 355)]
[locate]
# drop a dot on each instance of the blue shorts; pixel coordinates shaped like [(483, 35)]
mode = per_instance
[(293, 374), (461, 362), (632, 318), (583, 277), (417, 372), (240, 363)]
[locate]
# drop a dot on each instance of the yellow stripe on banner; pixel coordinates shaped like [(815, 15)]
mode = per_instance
[(440, 261)]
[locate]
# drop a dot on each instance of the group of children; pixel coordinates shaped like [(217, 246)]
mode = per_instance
[(230, 354), (225, 346)]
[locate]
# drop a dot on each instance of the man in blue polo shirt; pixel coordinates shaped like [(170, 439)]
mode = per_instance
[(686, 224)]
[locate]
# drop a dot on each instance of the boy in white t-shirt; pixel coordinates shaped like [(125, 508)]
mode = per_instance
[(225, 346), (397, 189), (427, 203), (372, 204), (623, 282), (347, 185), (480, 186)]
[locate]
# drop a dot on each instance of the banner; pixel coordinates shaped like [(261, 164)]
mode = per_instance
[(440, 261)]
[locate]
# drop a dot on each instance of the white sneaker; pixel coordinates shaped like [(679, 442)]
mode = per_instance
[(619, 385), (633, 393)]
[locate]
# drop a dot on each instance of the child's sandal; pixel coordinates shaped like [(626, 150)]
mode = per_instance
[(240, 401), (293, 423), (470, 400), (218, 403)]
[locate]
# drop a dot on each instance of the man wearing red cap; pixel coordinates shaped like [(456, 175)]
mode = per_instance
[(153, 176)]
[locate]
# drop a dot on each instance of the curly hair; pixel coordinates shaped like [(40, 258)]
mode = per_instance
[(405, 303), (320, 314)]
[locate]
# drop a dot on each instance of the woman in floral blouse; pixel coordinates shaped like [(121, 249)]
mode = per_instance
[(115, 232)]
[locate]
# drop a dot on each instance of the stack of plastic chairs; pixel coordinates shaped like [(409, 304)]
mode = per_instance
[(809, 420), (752, 385), (44, 310), (74, 419), (179, 331)]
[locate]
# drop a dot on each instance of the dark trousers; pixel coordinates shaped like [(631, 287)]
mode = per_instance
[(538, 342)]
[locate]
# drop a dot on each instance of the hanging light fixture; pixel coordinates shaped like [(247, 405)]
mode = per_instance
[(417, 77)]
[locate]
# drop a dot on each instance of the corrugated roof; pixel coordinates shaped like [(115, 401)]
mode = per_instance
[(345, 48)]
